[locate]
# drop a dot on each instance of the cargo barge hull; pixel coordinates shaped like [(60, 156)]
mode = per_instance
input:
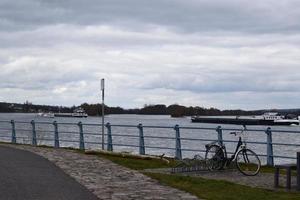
[(239, 121)]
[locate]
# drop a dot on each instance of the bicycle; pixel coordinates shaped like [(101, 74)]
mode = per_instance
[(246, 160)]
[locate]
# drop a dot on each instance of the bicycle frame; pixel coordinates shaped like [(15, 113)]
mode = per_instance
[(229, 160)]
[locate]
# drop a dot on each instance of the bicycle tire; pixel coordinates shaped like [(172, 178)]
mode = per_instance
[(214, 157), (247, 162)]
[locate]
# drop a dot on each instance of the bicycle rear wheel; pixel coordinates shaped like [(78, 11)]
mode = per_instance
[(247, 162), (214, 157)]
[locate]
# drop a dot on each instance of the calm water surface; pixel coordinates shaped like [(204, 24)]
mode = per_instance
[(69, 135)]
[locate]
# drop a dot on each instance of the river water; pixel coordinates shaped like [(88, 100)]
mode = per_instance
[(45, 134)]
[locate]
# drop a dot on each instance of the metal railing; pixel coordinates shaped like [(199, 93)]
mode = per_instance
[(9, 132)]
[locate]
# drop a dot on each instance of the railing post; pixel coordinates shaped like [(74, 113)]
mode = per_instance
[(220, 135), (13, 132), (56, 137), (178, 154), (81, 137), (34, 143), (270, 158), (109, 138), (141, 136)]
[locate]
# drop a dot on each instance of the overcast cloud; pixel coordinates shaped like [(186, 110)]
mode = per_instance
[(227, 54)]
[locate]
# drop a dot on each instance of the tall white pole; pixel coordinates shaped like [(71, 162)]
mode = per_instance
[(102, 89)]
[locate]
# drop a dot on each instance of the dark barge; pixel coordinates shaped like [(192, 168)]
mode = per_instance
[(245, 121)]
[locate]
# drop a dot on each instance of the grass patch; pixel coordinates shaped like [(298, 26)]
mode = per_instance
[(218, 189)]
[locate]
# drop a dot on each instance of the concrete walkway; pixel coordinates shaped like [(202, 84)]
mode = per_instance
[(106, 179), (27, 176)]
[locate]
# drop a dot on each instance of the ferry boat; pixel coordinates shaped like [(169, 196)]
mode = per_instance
[(270, 118), (79, 112)]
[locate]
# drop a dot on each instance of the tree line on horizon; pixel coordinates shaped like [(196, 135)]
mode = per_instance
[(174, 110)]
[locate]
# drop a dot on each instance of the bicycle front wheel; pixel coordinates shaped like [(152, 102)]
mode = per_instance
[(247, 162)]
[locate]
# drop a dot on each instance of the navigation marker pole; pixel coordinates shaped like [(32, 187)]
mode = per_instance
[(102, 89)]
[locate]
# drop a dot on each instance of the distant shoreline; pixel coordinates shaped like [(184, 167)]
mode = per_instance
[(173, 110)]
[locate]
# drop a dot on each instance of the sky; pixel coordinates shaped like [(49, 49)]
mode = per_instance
[(227, 54)]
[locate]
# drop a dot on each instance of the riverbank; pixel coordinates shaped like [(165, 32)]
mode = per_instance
[(109, 180), (104, 178)]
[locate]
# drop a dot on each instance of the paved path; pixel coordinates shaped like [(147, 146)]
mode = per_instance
[(106, 179), (27, 176)]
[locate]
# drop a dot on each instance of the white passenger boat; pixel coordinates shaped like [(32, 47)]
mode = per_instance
[(79, 112), (48, 115)]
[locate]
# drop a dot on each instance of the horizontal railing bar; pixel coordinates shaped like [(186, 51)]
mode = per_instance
[(46, 139), (120, 135), (285, 144), (284, 131), (20, 129), (62, 140), (198, 139), (44, 131), (91, 133), (22, 122), (129, 126), (196, 128), (194, 150), (261, 155), (153, 147), (150, 126), (40, 122), (92, 142), (91, 124), (158, 137), (67, 132), (163, 127), (288, 157), (67, 123), (23, 137), (260, 130), (125, 145), (258, 142)]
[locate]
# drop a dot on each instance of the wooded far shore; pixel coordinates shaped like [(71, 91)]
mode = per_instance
[(174, 110)]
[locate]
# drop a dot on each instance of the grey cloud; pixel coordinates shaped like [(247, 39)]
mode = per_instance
[(31, 73), (226, 82), (188, 16), (193, 52)]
